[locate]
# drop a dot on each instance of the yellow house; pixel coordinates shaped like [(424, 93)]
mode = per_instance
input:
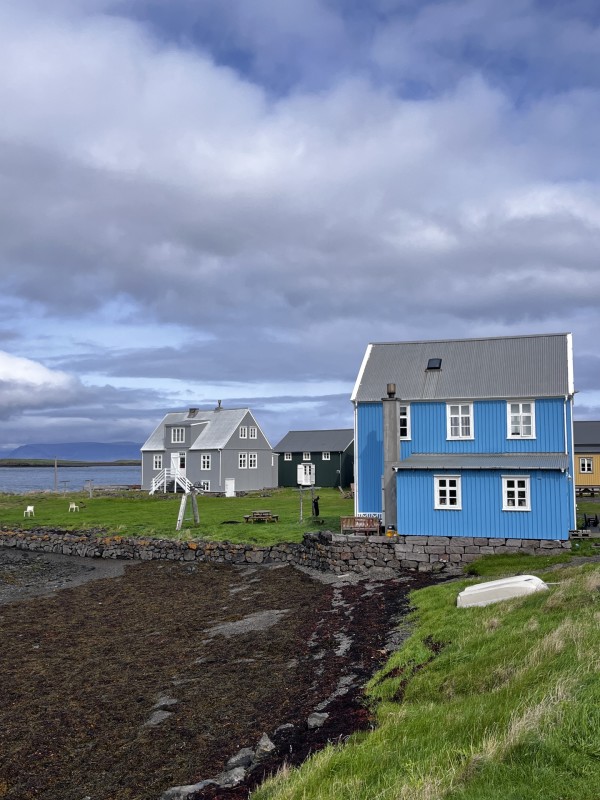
[(587, 456)]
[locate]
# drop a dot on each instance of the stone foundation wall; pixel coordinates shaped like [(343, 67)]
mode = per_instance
[(323, 551)]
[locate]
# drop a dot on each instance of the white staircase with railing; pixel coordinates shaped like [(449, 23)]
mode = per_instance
[(165, 476)]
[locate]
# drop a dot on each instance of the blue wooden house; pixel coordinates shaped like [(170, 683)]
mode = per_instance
[(471, 437)]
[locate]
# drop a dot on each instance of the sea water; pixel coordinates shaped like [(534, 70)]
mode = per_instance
[(20, 480)]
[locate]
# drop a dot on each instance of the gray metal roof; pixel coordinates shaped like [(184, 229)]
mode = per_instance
[(586, 436), (502, 367), (332, 441), (212, 429), (516, 461)]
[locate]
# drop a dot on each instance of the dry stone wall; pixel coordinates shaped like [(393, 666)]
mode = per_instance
[(324, 550)]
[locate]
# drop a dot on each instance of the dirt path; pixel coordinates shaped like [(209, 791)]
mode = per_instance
[(123, 687)]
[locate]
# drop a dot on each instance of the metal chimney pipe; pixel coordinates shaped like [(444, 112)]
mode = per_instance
[(391, 454)]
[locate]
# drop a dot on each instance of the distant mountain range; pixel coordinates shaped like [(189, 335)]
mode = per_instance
[(79, 451)]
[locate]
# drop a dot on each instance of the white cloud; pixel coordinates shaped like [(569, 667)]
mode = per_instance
[(27, 384), (174, 215)]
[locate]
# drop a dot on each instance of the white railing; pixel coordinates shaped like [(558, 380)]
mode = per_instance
[(165, 476)]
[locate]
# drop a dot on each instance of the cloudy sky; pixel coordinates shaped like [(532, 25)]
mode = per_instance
[(228, 199)]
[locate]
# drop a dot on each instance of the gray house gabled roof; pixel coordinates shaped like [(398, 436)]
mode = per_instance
[(502, 367), (586, 435), (329, 441), (211, 429)]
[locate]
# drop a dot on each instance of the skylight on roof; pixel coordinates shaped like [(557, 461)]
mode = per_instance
[(434, 363)]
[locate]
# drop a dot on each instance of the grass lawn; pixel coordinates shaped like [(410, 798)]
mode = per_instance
[(139, 514), (479, 703)]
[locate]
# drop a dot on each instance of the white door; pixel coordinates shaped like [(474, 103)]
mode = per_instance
[(178, 463), (230, 487)]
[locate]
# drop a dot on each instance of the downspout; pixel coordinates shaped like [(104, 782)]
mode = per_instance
[(565, 423), (571, 471), (390, 455), (220, 471)]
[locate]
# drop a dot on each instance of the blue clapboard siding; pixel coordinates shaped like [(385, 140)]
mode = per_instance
[(428, 430), (369, 456), (551, 515)]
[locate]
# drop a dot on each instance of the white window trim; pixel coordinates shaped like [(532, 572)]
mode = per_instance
[(177, 435), (157, 462), (252, 432), (326, 455), (306, 456), (287, 456), (505, 479), (205, 486), (242, 460), (449, 426), (586, 465), (436, 493), (513, 436), (205, 458), (243, 431), (408, 432), (252, 457)]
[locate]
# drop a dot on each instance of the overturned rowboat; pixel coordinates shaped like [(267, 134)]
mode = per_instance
[(482, 594)]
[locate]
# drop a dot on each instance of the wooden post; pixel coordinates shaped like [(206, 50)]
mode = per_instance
[(195, 508), (181, 512)]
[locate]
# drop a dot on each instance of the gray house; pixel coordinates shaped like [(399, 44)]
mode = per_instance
[(331, 451), (222, 450)]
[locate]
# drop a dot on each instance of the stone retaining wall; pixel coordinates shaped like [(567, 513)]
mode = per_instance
[(323, 551)]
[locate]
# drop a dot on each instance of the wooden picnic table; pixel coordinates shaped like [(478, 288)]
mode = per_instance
[(261, 516)]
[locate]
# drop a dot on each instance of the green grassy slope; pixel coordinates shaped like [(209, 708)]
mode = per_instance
[(480, 704)]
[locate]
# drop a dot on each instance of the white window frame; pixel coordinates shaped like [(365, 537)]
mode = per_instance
[(205, 486), (157, 462), (205, 461), (252, 432), (242, 460), (586, 465), (461, 416), (404, 421), (519, 415), (306, 456), (287, 456), (243, 431), (252, 460), (326, 455), (510, 484), (442, 490), (177, 435)]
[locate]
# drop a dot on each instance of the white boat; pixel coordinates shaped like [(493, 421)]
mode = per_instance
[(482, 594)]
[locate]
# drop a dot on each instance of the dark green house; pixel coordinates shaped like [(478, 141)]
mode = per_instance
[(332, 453)]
